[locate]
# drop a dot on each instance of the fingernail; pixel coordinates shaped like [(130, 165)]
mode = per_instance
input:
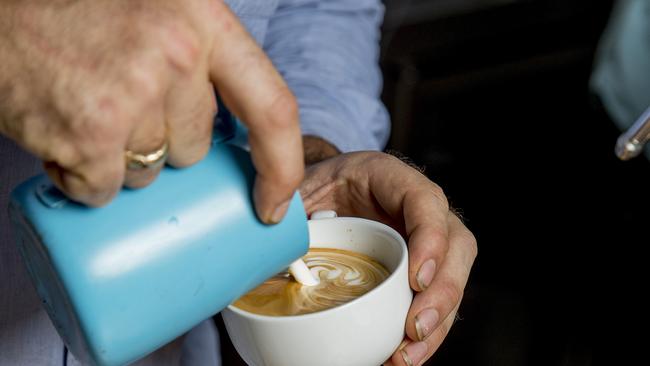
[(425, 323), (414, 353), (279, 212), (425, 274)]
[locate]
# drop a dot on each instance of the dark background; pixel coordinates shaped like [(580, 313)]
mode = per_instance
[(492, 98)]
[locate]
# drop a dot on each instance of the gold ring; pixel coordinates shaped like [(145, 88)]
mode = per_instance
[(135, 161)]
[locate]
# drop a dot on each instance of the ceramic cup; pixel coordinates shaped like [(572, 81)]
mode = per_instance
[(365, 331)]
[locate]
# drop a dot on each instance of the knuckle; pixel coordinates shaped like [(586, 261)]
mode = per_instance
[(376, 161), (380, 158), (390, 158), (181, 45), (289, 177), (282, 113), (438, 238), (67, 153), (96, 138), (439, 194), (445, 327), (471, 244), (451, 292), (103, 174), (106, 128), (431, 242), (217, 12), (395, 157), (142, 80)]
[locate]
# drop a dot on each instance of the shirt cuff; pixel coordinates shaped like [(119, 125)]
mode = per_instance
[(334, 130)]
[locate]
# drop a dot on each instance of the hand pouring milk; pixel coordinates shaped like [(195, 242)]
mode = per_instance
[(122, 280)]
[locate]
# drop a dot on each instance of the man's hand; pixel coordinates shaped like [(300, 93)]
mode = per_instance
[(380, 187), (83, 81)]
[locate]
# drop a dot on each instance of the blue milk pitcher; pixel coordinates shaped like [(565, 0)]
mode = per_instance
[(120, 281)]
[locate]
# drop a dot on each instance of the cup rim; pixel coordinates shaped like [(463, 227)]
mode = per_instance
[(391, 277)]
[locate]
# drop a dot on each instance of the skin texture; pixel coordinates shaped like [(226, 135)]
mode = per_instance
[(83, 81), (381, 187)]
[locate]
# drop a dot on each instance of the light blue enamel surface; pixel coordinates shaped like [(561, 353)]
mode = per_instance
[(122, 280)]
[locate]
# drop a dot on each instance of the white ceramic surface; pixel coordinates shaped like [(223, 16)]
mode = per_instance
[(363, 332)]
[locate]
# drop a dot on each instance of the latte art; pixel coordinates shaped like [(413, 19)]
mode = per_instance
[(344, 276)]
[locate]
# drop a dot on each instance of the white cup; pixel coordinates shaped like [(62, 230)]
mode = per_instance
[(365, 331)]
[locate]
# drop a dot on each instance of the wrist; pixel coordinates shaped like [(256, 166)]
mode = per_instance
[(317, 149)]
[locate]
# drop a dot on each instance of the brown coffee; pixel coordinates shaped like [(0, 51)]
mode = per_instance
[(344, 276)]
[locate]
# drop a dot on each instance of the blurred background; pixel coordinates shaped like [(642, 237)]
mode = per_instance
[(492, 98)]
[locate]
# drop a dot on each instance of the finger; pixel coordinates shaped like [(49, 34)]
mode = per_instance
[(93, 184), (253, 90), (149, 82), (423, 205), (88, 167), (276, 150), (426, 221), (147, 138), (415, 353), (189, 111), (446, 291), (389, 362)]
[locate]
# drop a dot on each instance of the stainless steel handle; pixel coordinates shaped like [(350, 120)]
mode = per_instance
[(630, 143)]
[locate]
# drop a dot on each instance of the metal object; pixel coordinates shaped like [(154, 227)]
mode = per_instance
[(630, 144), (135, 161)]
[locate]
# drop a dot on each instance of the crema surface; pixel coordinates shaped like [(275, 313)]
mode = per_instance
[(344, 276)]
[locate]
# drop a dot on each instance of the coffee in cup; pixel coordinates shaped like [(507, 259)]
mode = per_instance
[(344, 276)]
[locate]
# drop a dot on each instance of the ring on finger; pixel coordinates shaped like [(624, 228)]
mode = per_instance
[(152, 160)]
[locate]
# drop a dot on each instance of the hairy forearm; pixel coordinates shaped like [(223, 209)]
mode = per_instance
[(316, 149)]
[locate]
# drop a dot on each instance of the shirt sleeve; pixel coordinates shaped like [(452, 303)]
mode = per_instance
[(621, 63), (328, 51)]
